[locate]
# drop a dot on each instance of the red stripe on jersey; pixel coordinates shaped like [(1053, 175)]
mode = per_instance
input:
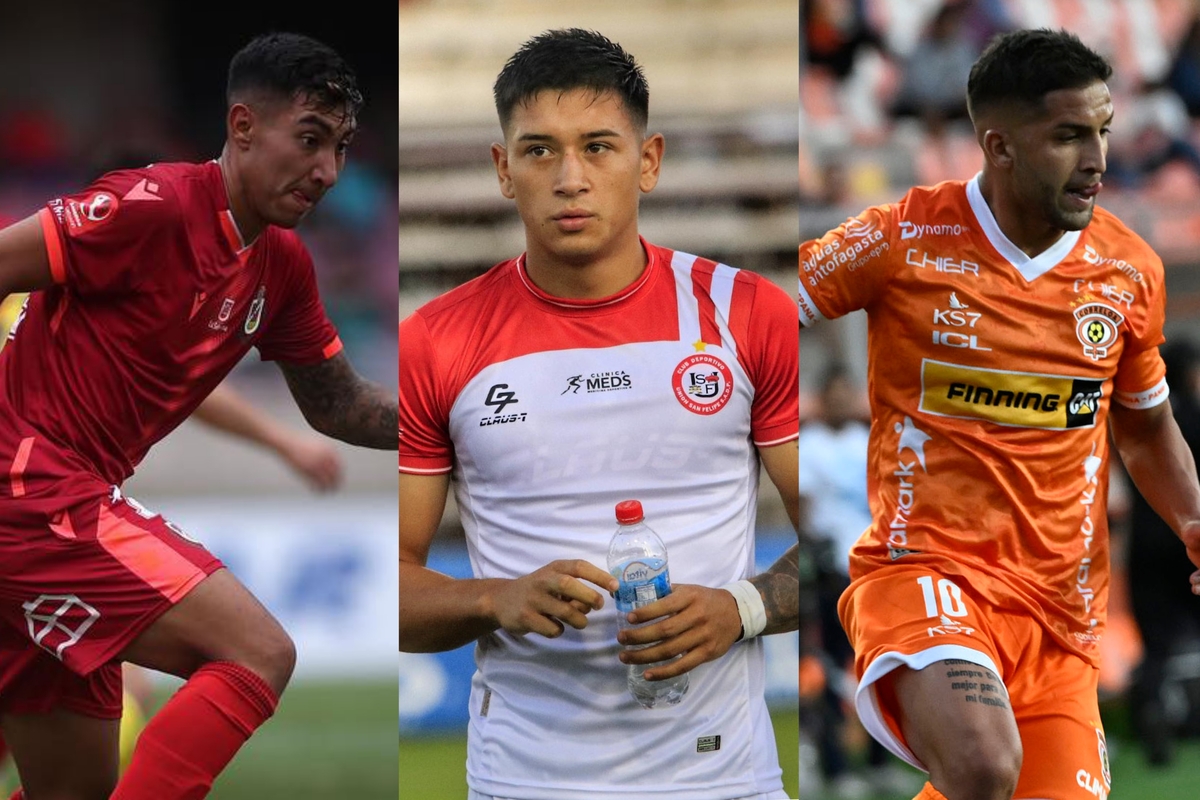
[(333, 348), (740, 302), (16, 474), (145, 555), (58, 268), (702, 274)]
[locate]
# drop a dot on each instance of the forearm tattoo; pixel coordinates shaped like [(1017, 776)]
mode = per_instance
[(975, 684), (780, 590), (338, 402)]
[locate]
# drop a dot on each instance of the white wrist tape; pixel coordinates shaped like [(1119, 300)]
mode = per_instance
[(750, 607)]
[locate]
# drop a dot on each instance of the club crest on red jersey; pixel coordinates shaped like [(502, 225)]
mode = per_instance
[(703, 383), (254, 316)]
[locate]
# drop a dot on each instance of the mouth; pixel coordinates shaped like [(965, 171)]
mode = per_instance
[(304, 200), (1084, 194), (572, 220)]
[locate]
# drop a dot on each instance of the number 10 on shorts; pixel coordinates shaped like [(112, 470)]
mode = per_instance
[(950, 595)]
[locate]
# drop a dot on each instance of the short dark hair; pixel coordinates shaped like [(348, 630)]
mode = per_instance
[(291, 65), (568, 59), (1025, 65)]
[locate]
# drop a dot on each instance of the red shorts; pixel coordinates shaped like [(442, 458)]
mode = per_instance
[(85, 572), (914, 616)]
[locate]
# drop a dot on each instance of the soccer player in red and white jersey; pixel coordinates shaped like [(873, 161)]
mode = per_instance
[(1012, 323), (594, 368), (148, 288)]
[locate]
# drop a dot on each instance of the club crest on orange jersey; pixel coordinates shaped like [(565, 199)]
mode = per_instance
[(703, 383), (254, 316), (1097, 326)]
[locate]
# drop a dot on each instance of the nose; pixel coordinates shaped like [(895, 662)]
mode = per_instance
[(570, 179), (325, 170), (1093, 159)]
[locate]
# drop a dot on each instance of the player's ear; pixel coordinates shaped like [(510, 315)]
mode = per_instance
[(500, 159), (239, 124), (652, 154), (997, 147)]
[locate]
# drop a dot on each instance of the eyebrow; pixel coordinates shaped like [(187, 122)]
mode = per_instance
[(318, 121), (603, 133)]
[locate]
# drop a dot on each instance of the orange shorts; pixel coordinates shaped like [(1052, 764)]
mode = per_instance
[(913, 616)]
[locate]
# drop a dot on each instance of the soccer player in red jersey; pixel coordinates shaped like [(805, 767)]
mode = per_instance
[(150, 286), (1014, 333)]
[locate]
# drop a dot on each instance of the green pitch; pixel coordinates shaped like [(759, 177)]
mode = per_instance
[(326, 741), (435, 768)]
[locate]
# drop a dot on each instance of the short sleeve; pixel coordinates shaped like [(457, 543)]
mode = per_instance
[(847, 268), (769, 349), (300, 332), (1141, 374), (101, 240), (425, 446)]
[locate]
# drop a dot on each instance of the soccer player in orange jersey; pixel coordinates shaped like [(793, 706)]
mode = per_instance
[(1009, 315)]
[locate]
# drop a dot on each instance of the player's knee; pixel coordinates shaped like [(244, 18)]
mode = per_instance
[(983, 770), (275, 658)]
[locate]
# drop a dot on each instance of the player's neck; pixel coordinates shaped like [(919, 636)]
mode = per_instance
[(600, 275), (249, 225), (1031, 235)]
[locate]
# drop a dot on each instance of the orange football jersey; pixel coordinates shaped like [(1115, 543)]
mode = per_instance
[(991, 375)]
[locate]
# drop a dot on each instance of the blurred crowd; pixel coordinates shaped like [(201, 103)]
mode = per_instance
[(883, 90)]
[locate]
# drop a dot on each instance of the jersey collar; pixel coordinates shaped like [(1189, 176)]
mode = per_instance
[(601, 302), (1030, 268), (229, 227)]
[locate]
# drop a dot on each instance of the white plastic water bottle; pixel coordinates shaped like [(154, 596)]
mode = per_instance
[(637, 558)]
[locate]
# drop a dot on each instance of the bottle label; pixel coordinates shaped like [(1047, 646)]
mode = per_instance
[(641, 583)]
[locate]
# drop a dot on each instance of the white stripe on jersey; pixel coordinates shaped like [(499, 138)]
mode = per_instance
[(722, 296), (689, 308)]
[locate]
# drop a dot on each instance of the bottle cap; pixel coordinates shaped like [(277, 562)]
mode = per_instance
[(629, 512)]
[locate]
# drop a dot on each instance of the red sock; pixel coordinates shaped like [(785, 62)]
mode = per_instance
[(17, 795), (198, 731)]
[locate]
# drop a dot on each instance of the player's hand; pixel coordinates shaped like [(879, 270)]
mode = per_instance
[(543, 601), (698, 622), (1190, 534), (316, 461)]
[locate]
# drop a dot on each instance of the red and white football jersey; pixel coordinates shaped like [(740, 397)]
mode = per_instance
[(991, 375), (156, 299), (549, 412)]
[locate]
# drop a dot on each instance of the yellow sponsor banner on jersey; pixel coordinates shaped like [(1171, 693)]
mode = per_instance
[(1017, 399)]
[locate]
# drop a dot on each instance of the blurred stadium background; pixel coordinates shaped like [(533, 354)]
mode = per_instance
[(882, 109), (94, 86), (723, 92)]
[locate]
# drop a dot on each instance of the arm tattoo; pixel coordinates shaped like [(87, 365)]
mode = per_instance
[(339, 402), (780, 590)]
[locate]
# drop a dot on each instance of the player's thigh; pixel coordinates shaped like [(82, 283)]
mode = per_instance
[(955, 714), (218, 620), (62, 755), (928, 664), (1066, 754)]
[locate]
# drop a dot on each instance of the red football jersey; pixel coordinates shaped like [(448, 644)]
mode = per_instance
[(156, 298)]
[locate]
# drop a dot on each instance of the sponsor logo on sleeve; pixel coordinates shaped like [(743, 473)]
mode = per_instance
[(703, 383), (1015, 399), (860, 242), (87, 214)]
